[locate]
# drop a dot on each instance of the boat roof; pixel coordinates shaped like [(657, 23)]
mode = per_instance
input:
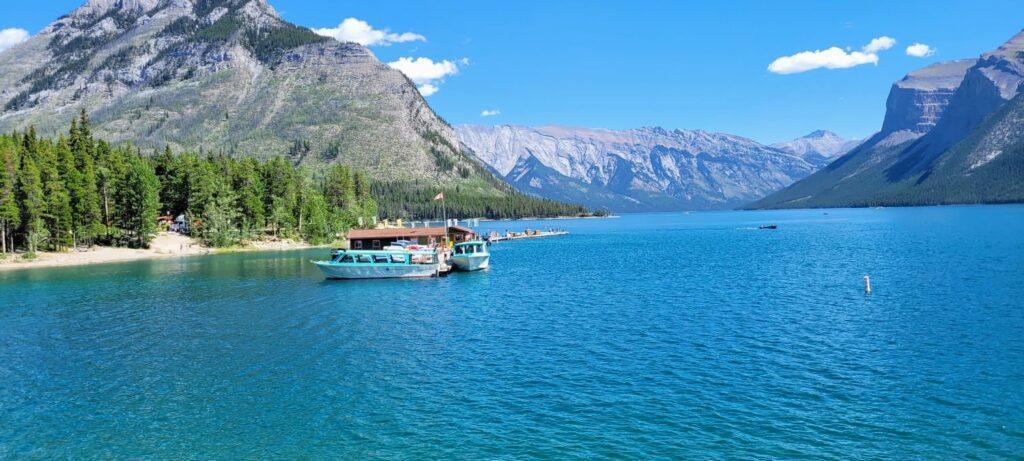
[(405, 232), (385, 252)]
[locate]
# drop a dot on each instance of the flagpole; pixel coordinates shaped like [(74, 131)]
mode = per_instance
[(444, 214)]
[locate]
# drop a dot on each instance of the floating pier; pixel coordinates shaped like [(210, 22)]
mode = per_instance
[(528, 234)]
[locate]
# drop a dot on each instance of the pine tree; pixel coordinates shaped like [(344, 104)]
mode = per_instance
[(314, 216), (105, 181), (82, 182), (249, 190), (366, 206), (33, 201), (86, 202), (361, 186), (70, 181), (339, 188), (10, 216), (174, 173), (219, 216), (281, 197), (212, 201), (58, 214), (137, 201), (29, 142)]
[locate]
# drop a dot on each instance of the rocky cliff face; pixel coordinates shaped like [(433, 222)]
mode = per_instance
[(819, 147), (633, 170), (917, 102), (230, 76), (993, 80)]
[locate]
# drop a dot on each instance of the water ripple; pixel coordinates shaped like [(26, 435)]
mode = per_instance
[(650, 336)]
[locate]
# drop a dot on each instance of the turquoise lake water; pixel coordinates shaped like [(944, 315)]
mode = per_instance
[(644, 336)]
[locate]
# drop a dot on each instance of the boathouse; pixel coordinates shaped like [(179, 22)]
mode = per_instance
[(375, 239)]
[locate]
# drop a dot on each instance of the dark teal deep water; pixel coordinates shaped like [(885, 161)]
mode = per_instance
[(662, 335)]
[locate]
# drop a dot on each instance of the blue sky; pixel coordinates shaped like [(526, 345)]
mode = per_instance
[(701, 65)]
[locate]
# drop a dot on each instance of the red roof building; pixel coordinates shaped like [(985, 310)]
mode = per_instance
[(375, 239)]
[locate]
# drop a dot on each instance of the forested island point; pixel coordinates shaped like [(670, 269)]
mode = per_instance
[(78, 194)]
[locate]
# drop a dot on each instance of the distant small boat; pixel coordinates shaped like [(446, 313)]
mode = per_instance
[(365, 264), (768, 227), (471, 256)]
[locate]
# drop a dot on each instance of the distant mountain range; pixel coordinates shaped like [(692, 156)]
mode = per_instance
[(646, 169), (230, 76), (818, 148), (953, 133)]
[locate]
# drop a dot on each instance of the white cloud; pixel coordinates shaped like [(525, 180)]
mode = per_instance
[(425, 72), (831, 58), (490, 113), (11, 37), (355, 30), (879, 44), (920, 50), (427, 89)]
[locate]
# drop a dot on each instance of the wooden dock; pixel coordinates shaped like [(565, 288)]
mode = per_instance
[(527, 235)]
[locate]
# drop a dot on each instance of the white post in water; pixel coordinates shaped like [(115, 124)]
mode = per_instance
[(867, 284)]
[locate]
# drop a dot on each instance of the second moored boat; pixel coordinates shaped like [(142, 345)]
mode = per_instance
[(471, 256)]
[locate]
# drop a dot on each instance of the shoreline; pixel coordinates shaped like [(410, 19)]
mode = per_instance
[(552, 218), (165, 246)]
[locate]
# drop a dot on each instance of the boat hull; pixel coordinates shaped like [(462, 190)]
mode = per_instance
[(342, 272), (471, 263)]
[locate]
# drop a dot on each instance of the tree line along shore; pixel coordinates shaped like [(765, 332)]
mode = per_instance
[(78, 191)]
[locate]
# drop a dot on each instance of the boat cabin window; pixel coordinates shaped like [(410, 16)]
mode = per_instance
[(399, 259), (380, 259), (468, 249), (366, 259), (347, 259)]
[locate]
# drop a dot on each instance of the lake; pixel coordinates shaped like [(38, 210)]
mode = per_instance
[(666, 335)]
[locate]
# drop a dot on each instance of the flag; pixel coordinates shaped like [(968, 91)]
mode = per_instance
[(439, 196)]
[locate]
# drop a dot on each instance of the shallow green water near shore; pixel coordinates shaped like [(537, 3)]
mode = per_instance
[(659, 335)]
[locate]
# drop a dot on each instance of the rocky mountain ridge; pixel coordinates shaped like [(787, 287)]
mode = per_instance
[(634, 170), (818, 147), (951, 135)]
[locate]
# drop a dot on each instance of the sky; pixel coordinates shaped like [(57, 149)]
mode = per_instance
[(771, 71)]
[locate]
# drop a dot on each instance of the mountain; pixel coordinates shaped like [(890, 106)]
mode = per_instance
[(634, 170), (819, 147), (951, 134), (917, 101), (230, 76)]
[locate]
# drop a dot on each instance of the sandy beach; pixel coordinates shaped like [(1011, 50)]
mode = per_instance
[(164, 245)]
